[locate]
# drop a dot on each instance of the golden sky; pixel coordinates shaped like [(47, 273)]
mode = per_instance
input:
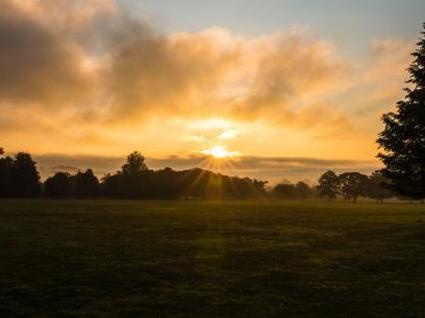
[(89, 78)]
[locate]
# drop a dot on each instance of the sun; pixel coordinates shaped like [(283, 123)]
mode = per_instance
[(220, 152), (219, 159)]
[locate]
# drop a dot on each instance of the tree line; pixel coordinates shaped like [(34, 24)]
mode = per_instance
[(349, 185), (19, 178), (352, 185)]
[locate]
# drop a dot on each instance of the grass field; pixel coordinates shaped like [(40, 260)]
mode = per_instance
[(199, 259)]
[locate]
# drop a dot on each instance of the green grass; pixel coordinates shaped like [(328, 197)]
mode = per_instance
[(199, 259)]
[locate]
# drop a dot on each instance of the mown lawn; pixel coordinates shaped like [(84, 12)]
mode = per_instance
[(200, 259)]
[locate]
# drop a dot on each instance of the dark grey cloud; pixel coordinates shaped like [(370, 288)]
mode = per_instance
[(37, 64)]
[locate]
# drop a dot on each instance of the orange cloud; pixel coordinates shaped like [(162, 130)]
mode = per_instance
[(390, 59)]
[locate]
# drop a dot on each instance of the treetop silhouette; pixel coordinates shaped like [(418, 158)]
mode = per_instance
[(403, 138)]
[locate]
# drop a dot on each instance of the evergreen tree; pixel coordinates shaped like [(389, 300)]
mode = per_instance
[(403, 139)]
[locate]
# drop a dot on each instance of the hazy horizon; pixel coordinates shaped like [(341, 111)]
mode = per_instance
[(273, 170)]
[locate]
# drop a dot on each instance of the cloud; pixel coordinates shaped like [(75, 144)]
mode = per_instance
[(391, 57), (227, 135), (38, 64), (284, 78), (384, 77), (176, 74), (94, 60)]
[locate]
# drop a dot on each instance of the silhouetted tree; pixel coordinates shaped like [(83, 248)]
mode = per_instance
[(259, 186), (135, 164), (24, 177), (85, 185), (328, 185), (377, 187), (289, 191), (6, 166), (136, 181), (59, 186), (303, 190), (285, 191), (20, 178), (353, 185), (403, 139)]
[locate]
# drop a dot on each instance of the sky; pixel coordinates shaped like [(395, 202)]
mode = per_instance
[(268, 89)]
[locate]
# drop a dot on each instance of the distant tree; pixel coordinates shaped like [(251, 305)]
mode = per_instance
[(112, 186), (259, 186), (403, 139), (165, 184), (377, 187), (24, 177), (405, 199), (135, 164), (188, 184), (285, 191), (315, 191), (6, 166), (85, 185), (303, 190), (19, 178), (328, 185), (59, 186), (134, 181), (353, 185)]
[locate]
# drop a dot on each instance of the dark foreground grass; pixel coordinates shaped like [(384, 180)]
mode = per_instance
[(143, 259)]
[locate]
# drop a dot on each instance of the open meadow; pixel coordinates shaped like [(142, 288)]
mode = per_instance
[(240, 259)]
